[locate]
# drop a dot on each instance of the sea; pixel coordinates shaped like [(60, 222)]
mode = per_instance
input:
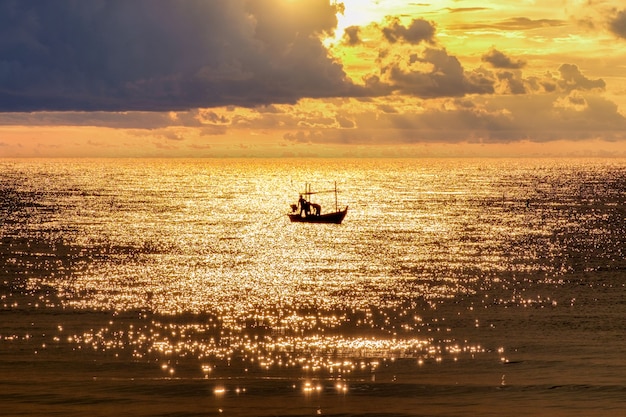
[(178, 287)]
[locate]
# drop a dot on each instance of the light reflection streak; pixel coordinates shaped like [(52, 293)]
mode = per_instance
[(315, 354)]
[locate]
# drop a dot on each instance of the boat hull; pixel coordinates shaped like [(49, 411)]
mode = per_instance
[(334, 218)]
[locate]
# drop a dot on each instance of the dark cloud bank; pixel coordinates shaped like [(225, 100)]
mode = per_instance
[(164, 54), (161, 55)]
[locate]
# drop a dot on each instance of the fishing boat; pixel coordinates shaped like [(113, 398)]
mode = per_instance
[(306, 211)]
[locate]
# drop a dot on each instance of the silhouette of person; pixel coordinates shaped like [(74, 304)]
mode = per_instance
[(304, 206)]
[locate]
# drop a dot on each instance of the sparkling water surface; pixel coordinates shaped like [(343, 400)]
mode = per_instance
[(453, 287)]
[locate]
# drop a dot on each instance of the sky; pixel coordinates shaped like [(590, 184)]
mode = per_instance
[(312, 78)]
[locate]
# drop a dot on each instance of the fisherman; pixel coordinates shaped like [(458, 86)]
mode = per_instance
[(317, 209), (304, 206)]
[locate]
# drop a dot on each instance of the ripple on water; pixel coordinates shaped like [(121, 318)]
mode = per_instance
[(188, 267)]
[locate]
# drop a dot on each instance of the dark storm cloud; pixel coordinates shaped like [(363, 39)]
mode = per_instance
[(500, 60), (617, 24), (418, 31), (164, 54)]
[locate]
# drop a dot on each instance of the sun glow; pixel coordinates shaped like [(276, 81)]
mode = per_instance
[(356, 13), (353, 13), (363, 13)]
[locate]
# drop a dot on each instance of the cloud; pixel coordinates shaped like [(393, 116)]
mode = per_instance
[(465, 9), (386, 108), (572, 109), (311, 136), (445, 78), (511, 83), (180, 70), (573, 79), (418, 31), (515, 23), (617, 24), (351, 35), (503, 119), (115, 120), (159, 55), (345, 123), (500, 60)]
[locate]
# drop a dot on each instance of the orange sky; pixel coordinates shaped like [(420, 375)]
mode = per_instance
[(274, 78)]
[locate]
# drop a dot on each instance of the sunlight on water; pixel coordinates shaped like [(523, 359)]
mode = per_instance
[(193, 265)]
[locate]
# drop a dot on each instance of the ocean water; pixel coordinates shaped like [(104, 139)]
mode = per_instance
[(454, 287)]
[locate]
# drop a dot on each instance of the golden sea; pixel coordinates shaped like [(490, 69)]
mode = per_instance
[(454, 287)]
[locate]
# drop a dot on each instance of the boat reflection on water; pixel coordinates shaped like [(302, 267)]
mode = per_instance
[(305, 211)]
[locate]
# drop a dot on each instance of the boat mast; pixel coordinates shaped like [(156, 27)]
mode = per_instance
[(336, 206)]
